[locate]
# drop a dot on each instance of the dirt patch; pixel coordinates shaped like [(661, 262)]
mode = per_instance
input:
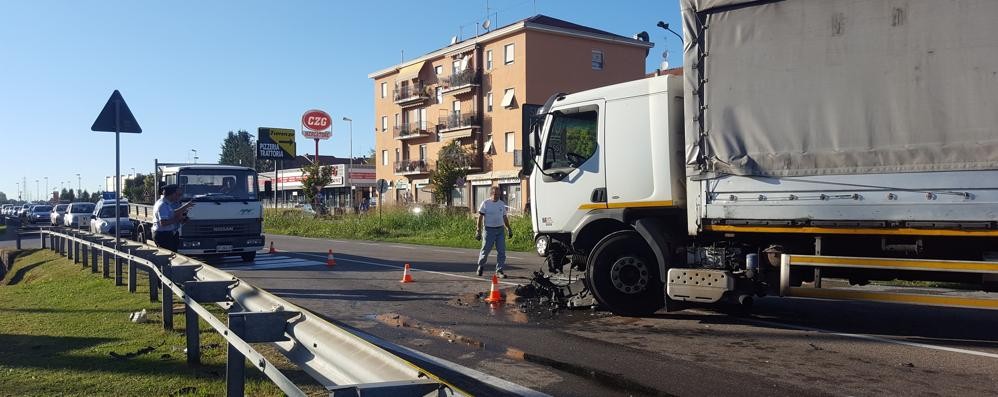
[(398, 320)]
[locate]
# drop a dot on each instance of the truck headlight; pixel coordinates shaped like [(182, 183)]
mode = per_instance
[(542, 244)]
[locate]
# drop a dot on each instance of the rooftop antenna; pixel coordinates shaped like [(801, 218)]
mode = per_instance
[(486, 24)]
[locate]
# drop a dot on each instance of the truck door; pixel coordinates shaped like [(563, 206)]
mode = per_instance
[(573, 176)]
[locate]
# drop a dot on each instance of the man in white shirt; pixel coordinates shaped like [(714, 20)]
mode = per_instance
[(493, 214), (167, 219)]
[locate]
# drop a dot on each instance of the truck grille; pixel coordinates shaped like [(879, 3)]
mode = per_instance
[(222, 228)]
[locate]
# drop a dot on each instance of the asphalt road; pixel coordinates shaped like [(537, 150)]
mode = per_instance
[(784, 347)]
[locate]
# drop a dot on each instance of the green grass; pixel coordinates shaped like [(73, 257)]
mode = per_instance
[(59, 325), (3, 229), (433, 226)]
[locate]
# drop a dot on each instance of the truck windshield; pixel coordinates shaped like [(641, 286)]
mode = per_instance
[(108, 212), (572, 138), (218, 184)]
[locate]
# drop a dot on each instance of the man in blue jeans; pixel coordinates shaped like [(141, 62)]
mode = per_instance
[(493, 214)]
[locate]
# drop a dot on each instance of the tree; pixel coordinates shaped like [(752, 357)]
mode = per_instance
[(149, 189), (238, 148), (85, 196), (3, 197), (372, 157), (134, 189), (314, 178), (67, 195), (452, 164)]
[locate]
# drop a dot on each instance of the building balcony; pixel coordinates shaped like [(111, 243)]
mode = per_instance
[(470, 164), (462, 83), (411, 131), (411, 167), (411, 94), (457, 125)]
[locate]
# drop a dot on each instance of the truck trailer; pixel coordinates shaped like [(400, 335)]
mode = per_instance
[(804, 140), (227, 218)]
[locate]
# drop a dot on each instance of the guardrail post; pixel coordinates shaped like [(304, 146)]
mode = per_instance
[(131, 273), (76, 251), (41, 238), (203, 292), (84, 255), (193, 332), (18, 241), (167, 298), (153, 286), (107, 262), (93, 258), (235, 363)]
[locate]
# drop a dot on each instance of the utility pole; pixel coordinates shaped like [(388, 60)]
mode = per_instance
[(79, 184), (353, 199), (47, 192), (38, 194)]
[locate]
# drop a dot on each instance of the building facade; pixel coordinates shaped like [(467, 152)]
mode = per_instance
[(481, 93), (350, 186)]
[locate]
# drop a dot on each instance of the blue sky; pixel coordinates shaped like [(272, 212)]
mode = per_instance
[(193, 70)]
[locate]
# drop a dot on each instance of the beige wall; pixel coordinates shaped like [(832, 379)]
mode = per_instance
[(544, 63)]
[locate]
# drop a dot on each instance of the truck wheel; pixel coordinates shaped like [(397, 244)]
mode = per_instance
[(623, 275), (248, 256)]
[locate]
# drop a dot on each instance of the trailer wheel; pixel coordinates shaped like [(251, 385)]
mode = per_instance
[(623, 275), (248, 256)]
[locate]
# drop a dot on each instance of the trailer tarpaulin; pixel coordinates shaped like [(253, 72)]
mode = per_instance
[(806, 87)]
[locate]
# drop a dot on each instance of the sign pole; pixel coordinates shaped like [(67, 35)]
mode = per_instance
[(117, 174), (273, 185)]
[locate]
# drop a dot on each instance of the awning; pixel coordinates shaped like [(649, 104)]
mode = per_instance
[(464, 62), (488, 176), (410, 72), (507, 98), (488, 146)]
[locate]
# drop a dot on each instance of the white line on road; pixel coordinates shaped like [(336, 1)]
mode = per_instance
[(865, 336), (412, 269)]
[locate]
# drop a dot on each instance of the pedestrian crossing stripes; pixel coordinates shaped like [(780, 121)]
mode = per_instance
[(270, 262)]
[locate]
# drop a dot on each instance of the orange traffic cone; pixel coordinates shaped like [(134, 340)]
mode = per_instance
[(406, 277), (494, 295), (272, 250), (330, 259)]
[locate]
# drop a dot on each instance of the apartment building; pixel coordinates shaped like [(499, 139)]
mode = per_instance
[(482, 92)]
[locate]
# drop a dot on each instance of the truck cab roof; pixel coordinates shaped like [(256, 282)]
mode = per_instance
[(173, 169)]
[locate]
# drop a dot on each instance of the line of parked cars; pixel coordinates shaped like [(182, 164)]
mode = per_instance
[(97, 218)]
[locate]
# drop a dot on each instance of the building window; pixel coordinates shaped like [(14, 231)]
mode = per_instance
[(384, 90), (488, 102), (456, 107), (510, 144), (597, 60), (397, 120), (508, 53), (440, 95), (384, 123), (508, 99), (422, 152), (488, 60), (456, 67), (438, 70), (384, 157)]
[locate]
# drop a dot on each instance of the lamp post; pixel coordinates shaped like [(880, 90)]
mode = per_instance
[(38, 194), (47, 192), (79, 183), (353, 200), (195, 155)]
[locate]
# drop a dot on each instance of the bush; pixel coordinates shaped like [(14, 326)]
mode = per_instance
[(433, 226)]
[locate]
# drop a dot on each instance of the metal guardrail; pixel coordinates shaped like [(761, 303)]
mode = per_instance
[(344, 363), (818, 261)]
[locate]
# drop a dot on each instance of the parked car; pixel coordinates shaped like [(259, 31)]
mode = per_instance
[(78, 214), (55, 217), (23, 211), (40, 214), (102, 221), (5, 209)]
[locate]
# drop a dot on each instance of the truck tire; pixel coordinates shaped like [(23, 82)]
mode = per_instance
[(623, 275), (248, 256)]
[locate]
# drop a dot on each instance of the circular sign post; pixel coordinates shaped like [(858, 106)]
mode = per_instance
[(316, 124)]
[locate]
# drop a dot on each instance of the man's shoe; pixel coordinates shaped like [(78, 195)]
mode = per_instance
[(500, 274), (479, 272)]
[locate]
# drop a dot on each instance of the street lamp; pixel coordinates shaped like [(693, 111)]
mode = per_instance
[(195, 155), (665, 26), (47, 192), (38, 194), (79, 184), (353, 199)]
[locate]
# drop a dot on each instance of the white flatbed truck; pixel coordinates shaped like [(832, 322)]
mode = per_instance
[(805, 139), (227, 218)]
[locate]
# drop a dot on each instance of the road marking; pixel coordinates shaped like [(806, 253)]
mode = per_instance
[(411, 268), (267, 262), (864, 336)]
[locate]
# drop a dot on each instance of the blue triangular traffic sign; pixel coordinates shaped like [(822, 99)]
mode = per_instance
[(125, 121)]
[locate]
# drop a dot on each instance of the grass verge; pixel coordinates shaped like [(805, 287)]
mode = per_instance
[(431, 227), (65, 331)]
